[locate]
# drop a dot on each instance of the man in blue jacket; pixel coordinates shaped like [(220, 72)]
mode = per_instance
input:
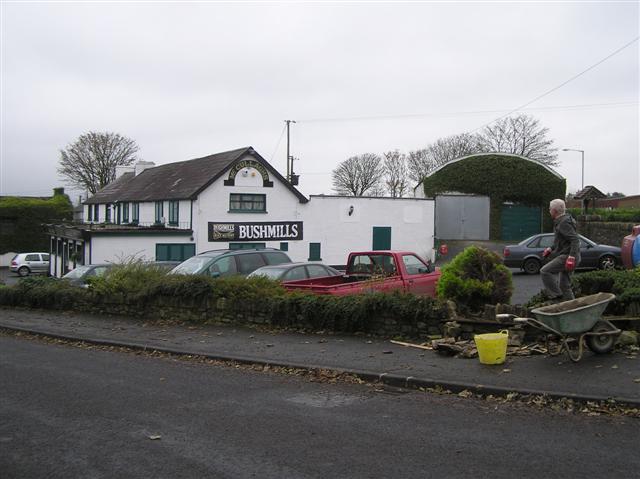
[(563, 257)]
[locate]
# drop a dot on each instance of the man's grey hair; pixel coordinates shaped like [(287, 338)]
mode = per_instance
[(558, 205)]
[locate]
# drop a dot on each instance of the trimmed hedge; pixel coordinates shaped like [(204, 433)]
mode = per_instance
[(24, 217), (626, 215), (625, 284), (239, 300)]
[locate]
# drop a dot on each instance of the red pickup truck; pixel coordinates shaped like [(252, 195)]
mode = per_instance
[(376, 271)]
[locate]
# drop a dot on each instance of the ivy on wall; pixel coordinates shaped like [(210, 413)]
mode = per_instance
[(502, 178), (21, 221)]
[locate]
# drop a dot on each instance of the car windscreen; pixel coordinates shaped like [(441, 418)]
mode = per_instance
[(194, 265), (77, 273)]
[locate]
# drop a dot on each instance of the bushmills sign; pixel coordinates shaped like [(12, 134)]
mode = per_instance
[(272, 231)]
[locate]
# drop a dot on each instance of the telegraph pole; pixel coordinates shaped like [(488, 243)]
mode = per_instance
[(289, 160)]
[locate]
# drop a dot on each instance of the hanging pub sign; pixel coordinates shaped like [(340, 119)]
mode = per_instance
[(272, 231)]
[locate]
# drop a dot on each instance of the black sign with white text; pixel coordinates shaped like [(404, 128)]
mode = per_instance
[(272, 231)]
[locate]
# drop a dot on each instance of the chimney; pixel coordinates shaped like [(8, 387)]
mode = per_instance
[(58, 191), (121, 170), (143, 165)]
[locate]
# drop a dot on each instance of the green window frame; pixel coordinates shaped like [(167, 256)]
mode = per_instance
[(284, 246), (135, 212), (125, 212), (314, 252), (174, 210), (247, 203), (159, 212), (174, 251)]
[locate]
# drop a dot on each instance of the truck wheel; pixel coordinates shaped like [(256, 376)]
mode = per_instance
[(601, 344), (23, 271), (607, 262), (531, 266)]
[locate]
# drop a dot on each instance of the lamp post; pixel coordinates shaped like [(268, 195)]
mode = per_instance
[(582, 152)]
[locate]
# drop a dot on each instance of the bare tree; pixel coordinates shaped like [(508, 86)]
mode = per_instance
[(90, 162), (521, 135), (358, 175), (422, 162), (395, 174)]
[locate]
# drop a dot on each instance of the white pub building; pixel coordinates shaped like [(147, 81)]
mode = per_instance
[(231, 200)]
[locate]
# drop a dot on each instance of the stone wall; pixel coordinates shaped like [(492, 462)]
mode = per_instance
[(603, 232)]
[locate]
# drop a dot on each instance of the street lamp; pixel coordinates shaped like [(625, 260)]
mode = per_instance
[(581, 151)]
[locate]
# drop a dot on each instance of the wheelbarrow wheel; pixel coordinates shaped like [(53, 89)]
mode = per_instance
[(601, 344)]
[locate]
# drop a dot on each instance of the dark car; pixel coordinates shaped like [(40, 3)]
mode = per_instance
[(226, 262), (296, 271), (527, 255), (82, 273)]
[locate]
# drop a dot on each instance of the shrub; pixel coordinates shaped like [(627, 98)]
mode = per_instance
[(623, 215), (474, 278), (625, 284)]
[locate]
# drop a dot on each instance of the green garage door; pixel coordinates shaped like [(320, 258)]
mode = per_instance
[(520, 222)]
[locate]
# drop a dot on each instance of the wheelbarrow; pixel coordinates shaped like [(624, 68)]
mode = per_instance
[(579, 319)]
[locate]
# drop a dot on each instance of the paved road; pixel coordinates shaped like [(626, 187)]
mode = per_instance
[(71, 412)]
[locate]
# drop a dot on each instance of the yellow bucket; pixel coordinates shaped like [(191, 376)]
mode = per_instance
[(492, 347)]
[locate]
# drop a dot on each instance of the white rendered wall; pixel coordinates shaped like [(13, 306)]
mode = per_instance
[(116, 249), (212, 205), (327, 221)]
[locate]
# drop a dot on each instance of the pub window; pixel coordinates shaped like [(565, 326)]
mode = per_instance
[(173, 213), (125, 212), (96, 213), (314, 252), (135, 212), (90, 213), (107, 213), (247, 245), (159, 212), (284, 246), (247, 203)]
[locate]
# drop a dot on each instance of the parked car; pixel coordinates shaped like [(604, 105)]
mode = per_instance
[(26, 263), (227, 262), (527, 255), (80, 274), (376, 271), (295, 271)]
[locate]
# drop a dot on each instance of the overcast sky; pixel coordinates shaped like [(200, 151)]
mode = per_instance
[(190, 79)]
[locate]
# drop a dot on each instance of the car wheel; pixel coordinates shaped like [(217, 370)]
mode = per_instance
[(607, 262), (23, 271), (531, 266)]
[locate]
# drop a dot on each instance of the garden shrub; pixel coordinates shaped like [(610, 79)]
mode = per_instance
[(474, 278), (625, 284)]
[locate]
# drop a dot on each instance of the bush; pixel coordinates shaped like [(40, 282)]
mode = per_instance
[(474, 278), (626, 215), (625, 284), (42, 292)]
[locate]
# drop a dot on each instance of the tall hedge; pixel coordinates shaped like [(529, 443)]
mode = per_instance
[(502, 178), (21, 221)]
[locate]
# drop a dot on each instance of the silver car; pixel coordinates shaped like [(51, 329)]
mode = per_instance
[(295, 271), (27, 263)]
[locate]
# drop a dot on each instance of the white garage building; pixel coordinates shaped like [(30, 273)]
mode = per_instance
[(234, 199)]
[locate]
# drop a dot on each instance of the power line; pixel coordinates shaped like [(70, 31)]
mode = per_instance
[(562, 84), (278, 144), (471, 112)]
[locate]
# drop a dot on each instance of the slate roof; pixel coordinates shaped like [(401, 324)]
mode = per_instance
[(179, 181)]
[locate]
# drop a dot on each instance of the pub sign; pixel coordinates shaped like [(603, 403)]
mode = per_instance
[(265, 231)]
